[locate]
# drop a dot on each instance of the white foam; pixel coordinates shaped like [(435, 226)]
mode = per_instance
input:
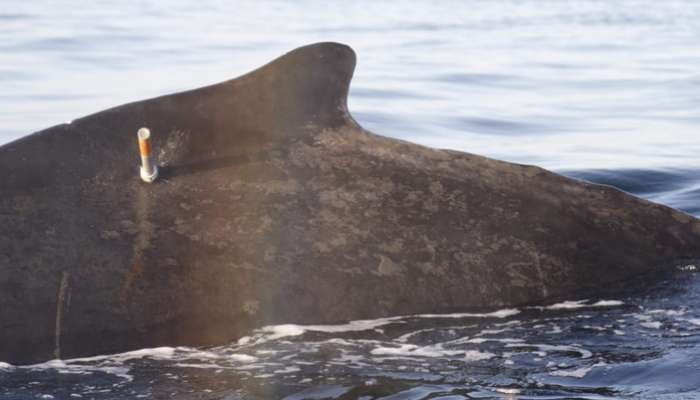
[(158, 353), (475, 355), (287, 370), (595, 328), (347, 359), (566, 305), (249, 367), (198, 365), (4, 365), (548, 347), (162, 353), (266, 352), (505, 313), (670, 313), (352, 326), (433, 351), (480, 340), (493, 331), (651, 324), (410, 350), (576, 373), (405, 337), (115, 364), (576, 304), (64, 367), (194, 353), (555, 330), (244, 358), (608, 303), (245, 340), (275, 332)]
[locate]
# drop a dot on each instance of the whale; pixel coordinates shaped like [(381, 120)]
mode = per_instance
[(273, 205)]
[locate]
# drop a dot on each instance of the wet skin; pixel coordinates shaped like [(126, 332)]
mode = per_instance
[(273, 205)]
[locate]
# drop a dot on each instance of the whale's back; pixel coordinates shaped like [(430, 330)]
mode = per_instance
[(275, 206)]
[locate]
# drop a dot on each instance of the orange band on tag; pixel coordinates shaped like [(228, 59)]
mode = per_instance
[(145, 147)]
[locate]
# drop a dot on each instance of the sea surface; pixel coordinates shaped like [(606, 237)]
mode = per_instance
[(606, 91)]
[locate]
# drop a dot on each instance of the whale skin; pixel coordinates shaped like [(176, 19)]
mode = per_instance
[(273, 206)]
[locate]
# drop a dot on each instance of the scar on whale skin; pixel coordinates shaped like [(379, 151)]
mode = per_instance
[(142, 242), (62, 290)]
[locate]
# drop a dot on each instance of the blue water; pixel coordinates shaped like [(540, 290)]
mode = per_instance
[(598, 90)]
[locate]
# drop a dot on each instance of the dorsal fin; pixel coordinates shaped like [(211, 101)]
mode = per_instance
[(301, 91), (308, 85)]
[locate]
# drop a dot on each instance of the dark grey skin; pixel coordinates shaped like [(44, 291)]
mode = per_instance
[(275, 206)]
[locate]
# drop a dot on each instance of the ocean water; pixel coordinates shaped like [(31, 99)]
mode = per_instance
[(598, 90), (633, 347)]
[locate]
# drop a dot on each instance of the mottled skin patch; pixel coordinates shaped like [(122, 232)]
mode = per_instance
[(274, 206), (386, 267)]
